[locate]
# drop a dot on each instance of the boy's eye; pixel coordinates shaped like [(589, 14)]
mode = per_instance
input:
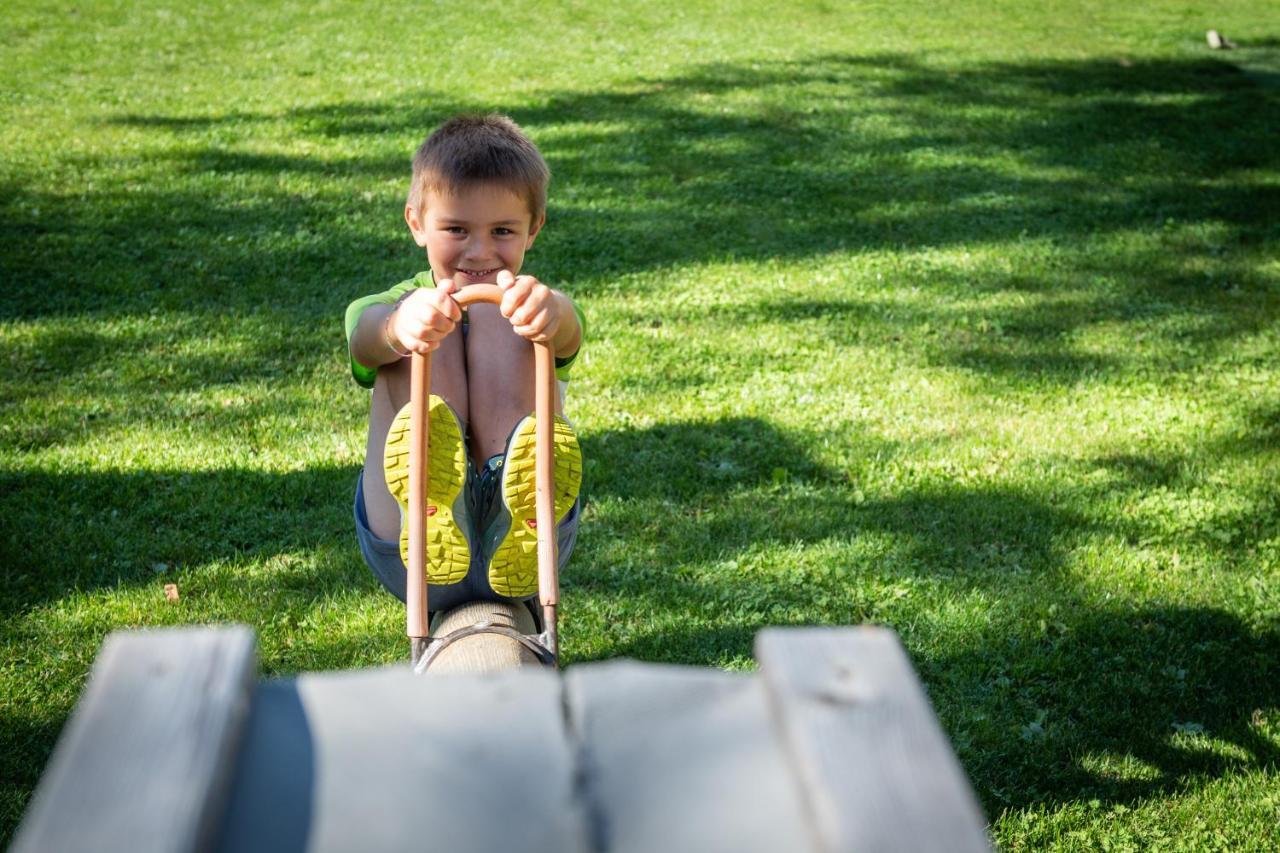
[(502, 232)]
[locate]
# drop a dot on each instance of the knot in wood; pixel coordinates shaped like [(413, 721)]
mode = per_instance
[(840, 687)]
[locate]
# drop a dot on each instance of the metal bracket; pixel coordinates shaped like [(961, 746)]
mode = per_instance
[(425, 649)]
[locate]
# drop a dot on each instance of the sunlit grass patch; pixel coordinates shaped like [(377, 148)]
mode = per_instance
[(971, 332)]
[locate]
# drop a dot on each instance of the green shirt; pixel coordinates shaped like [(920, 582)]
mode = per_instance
[(365, 376)]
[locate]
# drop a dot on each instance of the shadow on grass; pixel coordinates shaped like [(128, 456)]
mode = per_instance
[(692, 460), (1111, 704), (1090, 708), (684, 494), (25, 744), (81, 531), (783, 160), (710, 552), (732, 525), (1057, 697)]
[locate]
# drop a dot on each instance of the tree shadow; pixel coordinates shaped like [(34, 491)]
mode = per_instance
[(1059, 697), (692, 460), (732, 525), (788, 161), (671, 495), (1107, 702), (25, 744), (127, 527), (710, 552), (780, 160), (1090, 707)]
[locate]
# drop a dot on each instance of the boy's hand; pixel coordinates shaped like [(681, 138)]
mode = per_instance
[(535, 310), (425, 317)]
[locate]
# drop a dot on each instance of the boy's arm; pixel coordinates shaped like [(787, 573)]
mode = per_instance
[(568, 338), (382, 332), (371, 342), (568, 349), (364, 369)]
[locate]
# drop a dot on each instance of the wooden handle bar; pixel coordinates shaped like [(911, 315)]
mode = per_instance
[(544, 411)]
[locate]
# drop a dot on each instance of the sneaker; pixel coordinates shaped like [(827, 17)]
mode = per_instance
[(449, 524), (511, 537)]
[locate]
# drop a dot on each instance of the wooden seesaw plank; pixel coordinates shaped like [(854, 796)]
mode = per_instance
[(680, 758), (877, 770), (833, 746), (144, 762), (383, 760)]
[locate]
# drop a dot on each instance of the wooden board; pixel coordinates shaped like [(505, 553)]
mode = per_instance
[(877, 771), (680, 758), (380, 760), (144, 761), (832, 746)]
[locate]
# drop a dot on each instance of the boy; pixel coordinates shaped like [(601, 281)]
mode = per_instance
[(476, 204)]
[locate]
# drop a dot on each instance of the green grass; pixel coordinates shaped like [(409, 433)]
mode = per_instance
[(959, 318)]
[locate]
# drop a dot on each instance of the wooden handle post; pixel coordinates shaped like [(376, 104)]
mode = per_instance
[(545, 466), (419, 428)]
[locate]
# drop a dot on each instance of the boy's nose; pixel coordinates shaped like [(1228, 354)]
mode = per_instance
[(477, 249)]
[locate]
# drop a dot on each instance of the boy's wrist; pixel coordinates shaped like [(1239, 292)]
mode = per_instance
[(389, 336), (568, 335)]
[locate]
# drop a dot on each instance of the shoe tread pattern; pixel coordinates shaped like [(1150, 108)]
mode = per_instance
[(448, 553), (513, 569)]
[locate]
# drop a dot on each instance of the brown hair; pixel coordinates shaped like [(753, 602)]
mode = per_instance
[(477, 149)]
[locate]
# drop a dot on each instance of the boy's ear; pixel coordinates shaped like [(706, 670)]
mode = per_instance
[(416, 225), (533, 232)]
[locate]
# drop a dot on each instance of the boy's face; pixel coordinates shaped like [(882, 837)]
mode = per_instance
[(472, 235)]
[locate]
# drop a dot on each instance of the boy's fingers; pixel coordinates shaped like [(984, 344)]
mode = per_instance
[(540, 326), (450, 309), (528, 313), (505, 279), (513, 298), (520, 316), (435, 325), (447, 287), (520, 290), (443, 302), (442, 323), (537, 301), (535, 325)]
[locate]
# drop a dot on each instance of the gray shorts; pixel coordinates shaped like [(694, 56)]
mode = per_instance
[(382, 556)]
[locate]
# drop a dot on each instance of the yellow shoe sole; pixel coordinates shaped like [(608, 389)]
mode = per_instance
[(448, 552), (513, 569)]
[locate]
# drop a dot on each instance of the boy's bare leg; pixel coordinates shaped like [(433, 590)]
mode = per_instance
[(499, 378), (390, 393)]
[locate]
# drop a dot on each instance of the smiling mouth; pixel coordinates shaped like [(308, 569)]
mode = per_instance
[(478, 273)]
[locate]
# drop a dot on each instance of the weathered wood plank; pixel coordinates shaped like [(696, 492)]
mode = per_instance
[(876, 769), (144, 762), (383, 760), (680, 758)]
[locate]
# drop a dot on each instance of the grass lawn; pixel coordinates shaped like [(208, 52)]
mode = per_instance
[(959, 318)]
